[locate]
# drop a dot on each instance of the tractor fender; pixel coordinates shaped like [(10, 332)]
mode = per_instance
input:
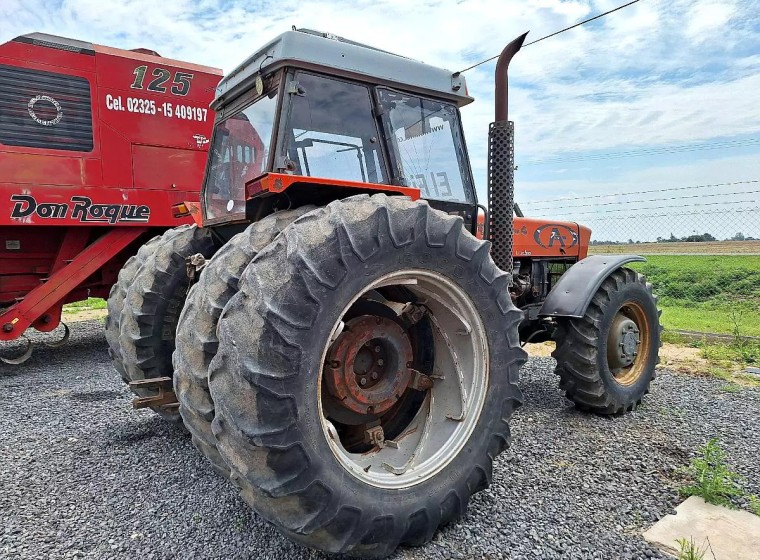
[(572, 294)]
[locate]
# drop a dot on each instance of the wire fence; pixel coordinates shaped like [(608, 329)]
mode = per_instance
[(702, 245)]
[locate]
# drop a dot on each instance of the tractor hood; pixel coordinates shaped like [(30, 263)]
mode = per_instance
[(538, 237)]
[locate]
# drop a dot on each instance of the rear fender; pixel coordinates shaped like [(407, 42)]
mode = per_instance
[(572, 295), (270, 191)]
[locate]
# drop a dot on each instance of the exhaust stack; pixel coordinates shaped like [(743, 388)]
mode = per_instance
[(501, 165)]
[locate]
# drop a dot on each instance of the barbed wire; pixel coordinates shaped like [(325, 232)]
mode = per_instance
[(621, 202), (666, 189), (644, 152), (586, 213), (679, 214)]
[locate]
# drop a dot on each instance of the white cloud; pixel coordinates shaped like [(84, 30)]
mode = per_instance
[(656, 73), (708, 17)]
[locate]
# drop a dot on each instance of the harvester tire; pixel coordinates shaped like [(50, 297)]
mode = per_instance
[(116, 302), (154, 301), (606, 359), (196, 333), (362, 267)]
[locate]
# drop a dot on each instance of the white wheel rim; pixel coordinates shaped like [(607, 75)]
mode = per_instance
[(451, 408)]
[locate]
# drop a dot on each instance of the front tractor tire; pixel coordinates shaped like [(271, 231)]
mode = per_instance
[(153, 302), (196, 342), (366, 374), (606, 359)]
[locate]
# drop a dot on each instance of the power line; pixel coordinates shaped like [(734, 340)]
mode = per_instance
[(645, 152), (555, 33), (667, 189)]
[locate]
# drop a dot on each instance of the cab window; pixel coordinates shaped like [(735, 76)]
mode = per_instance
[(332, 133), (238, 154), (425, 140)]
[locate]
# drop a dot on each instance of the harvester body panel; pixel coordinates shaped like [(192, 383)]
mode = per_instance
[(92, 139)]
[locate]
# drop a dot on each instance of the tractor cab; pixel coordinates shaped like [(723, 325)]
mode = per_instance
[(305, 107)]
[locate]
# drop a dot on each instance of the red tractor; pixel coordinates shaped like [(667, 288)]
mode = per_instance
[(96, 145), (345, 348)]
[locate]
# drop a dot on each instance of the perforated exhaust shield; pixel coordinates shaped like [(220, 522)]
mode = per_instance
[(501, 191)]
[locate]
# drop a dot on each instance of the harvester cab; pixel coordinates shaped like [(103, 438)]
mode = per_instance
[(349, 349)]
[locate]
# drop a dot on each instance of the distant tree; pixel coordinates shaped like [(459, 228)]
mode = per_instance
[(698, 238), (673, 238), (660, 240), (738, 237), (630, 241)]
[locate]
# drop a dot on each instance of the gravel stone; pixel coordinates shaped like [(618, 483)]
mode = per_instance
[(85, 476)]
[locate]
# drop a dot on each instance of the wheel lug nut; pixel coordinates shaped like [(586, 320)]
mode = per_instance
[(377, 349), (380, 362), (363, 381), (373, 375)]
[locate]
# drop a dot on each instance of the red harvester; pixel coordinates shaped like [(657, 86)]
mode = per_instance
[(96, 145)]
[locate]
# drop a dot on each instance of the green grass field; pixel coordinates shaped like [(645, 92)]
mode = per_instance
[(716, 293), (89, 303)]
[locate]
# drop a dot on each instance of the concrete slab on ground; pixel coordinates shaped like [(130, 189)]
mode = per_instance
[(732, 534)]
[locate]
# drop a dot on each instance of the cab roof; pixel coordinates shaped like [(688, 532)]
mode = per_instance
[(313, 50)]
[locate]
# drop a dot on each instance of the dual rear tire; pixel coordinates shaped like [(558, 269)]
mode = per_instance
[(196, 332), (409, 302), (331, 282), (145, 304)]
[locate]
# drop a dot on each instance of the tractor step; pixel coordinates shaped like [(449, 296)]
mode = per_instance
[(166, 399)]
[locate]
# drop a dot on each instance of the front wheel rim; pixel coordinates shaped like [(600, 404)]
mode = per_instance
[(454, 392), (629, 344)]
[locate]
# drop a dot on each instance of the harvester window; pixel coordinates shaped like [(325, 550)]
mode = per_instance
[(332, 132), (239, 153), (426, 142)]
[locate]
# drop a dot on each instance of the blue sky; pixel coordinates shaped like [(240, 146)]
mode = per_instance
[(661, 74)]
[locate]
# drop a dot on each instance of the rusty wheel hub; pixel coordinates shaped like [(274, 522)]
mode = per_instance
[(368, 365), (629, 343), (623, 342)]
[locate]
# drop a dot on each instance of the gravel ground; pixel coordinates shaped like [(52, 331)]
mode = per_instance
[(83, 475)]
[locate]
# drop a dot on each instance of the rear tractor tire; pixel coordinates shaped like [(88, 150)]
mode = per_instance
[(116, 299), (606, 359), (154, 300), (365, 376), (197, 343)]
